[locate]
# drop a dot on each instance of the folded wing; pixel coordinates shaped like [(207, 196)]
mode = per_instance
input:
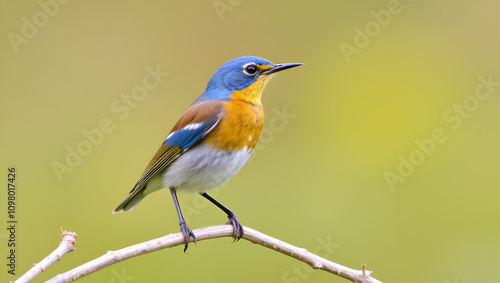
[(192, 127)]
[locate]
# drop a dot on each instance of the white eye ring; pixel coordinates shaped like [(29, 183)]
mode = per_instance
[(250, 69)]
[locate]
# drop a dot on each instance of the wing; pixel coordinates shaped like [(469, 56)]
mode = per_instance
[(192, 127)]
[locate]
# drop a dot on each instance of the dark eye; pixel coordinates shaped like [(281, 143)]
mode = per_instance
[(250, 69)]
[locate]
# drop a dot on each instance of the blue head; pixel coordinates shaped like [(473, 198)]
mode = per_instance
[(238, 74)]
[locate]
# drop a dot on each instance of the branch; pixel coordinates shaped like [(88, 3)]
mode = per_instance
[(212, 232), (67, 245)]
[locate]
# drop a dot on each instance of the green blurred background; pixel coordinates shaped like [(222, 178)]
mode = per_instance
[(368, 90)]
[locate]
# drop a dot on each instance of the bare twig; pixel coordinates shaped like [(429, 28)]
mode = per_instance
[(67, 245), (213, 232)]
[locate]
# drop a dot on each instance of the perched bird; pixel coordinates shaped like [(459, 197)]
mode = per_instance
[(212, 140)]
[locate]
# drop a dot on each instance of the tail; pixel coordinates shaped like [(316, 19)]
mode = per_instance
[(140, 191), (130, 202)]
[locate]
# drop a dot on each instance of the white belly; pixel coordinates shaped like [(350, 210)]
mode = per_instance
[(202, 168)]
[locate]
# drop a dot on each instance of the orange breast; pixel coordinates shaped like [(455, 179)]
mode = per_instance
[(240, 126), (243, 119)]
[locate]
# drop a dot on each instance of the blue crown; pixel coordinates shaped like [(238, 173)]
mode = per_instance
[(230, 77)]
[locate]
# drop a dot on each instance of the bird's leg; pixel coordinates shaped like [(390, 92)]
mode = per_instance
[(182, 223), (238, 228)]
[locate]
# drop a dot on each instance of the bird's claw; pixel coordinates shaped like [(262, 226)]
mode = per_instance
[(187, 233), (238, 228)]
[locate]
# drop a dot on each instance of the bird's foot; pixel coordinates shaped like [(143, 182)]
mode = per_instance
[(238, 228), (187, 233)]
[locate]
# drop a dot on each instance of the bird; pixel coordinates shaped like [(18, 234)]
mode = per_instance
[(212, 140)]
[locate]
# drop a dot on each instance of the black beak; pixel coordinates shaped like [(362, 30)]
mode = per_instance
[(280, 67)]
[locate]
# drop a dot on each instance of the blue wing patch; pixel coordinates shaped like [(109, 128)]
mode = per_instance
[(190, 134)]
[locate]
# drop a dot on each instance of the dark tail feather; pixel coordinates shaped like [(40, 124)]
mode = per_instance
[(139, 191), (130, 202)]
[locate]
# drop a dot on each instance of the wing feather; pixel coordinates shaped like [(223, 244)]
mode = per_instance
[(192, 127)]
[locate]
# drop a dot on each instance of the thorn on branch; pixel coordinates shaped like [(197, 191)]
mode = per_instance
[(365, 272)]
